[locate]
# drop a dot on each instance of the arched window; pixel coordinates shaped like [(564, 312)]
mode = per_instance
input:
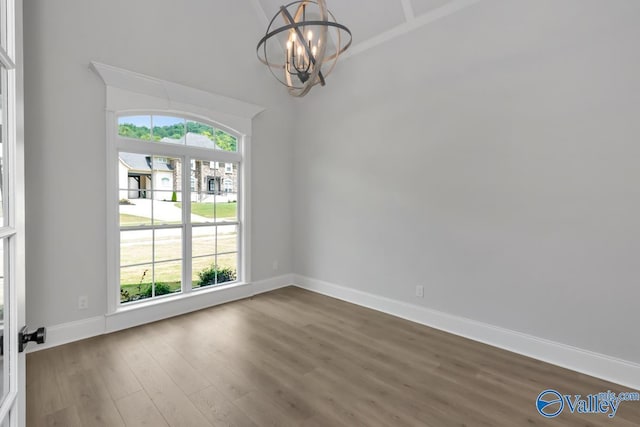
[(177, 240), (178, 237)]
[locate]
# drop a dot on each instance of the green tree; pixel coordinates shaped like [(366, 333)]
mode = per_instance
[(223, 140)]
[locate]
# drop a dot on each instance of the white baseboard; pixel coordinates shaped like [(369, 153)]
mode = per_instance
[(272, 284), (69, 332), (157, 310), (587, 362)]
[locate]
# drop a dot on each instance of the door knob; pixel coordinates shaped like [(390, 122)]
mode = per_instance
[(39, 336)]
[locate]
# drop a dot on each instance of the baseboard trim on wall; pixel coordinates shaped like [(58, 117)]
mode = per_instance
[(69, 332), (598, 365), (94, 326)]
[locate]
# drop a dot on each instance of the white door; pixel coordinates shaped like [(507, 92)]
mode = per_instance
[(12, 363)]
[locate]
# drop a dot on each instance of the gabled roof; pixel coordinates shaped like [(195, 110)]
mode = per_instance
[(193, 140), (142, 162)]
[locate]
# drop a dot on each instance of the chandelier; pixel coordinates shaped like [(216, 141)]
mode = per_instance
[(305, 43)]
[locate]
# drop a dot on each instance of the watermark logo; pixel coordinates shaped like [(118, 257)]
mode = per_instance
[(550, 403)]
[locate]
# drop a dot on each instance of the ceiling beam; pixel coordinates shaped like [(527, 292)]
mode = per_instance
[(418, 22), (409, 15)]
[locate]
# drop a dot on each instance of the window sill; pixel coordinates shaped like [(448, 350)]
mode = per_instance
[(175, 297), (150, 311)]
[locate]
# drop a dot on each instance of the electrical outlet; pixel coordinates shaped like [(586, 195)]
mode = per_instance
[(420, 291), (83, 302)]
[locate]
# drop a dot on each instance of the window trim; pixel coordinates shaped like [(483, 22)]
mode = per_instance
[(129, 93), (186, 154)]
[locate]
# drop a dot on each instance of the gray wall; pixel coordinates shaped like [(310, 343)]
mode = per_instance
[(491, 157), (200, 43)]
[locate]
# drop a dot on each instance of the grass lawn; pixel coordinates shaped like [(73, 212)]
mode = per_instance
[(222, 209), (133, 288)]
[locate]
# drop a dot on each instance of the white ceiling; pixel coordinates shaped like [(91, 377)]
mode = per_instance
[(374, 21)]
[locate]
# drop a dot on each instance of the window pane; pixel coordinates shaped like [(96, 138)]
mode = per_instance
[(227, 240), (138, 127), (216, 198), (135, 189), (202, 208), (203, 272), (135, 282), (168, 244), (165, 173), (165, 209), (136, 247), (168, 129), (168, 277), (135, 212), (204, 188), (227, 268), (214, 270), (226, 142), (166, 177), (226, 209), (203, 241), (135, 185), (3, 138), (200, 135)]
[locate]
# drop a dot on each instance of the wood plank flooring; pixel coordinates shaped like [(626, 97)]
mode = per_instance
[(295, 358)]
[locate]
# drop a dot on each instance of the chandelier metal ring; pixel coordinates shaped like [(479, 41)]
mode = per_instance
[(304, 60)]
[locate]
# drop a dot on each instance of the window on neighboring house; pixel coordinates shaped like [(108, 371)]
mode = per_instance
[(181, 236), (228, 168), (228, 185)]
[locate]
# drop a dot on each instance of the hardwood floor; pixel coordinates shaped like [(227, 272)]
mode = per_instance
[(295, 358)]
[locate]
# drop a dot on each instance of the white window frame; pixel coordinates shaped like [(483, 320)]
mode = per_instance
[(130, 93), (189, 155)]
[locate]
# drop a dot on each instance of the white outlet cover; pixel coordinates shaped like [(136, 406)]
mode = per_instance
[(83, 302)]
